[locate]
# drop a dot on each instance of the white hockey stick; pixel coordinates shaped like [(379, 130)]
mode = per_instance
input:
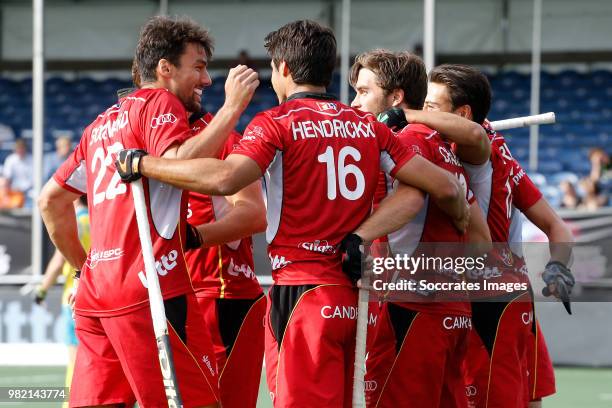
[(542, 119), (156, 301), (360, 345)]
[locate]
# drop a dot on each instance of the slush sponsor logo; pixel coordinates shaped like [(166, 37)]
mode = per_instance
[(164, 265), (318, 246), (278, 261), (244, 269), (162, 120), (109, 128), (457, 322), (344, 312), (104, 255)]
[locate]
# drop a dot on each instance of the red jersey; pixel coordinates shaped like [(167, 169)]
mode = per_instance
[(431, 224), (321, 160), (113, 278), (220, 271)]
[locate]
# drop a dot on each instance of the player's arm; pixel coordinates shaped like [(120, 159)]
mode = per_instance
[(57, 211), (473, 144), (393, 213), (239, 88), (53, 270), (247, 217), (478, 232), (206, 176), (559, 236), (442, 186)]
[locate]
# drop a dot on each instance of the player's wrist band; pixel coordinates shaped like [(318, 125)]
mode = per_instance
[(77, 274)]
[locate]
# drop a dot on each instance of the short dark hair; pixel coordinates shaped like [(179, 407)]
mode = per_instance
[(466, 86), (395, 70), (166, 38), (308, 48)]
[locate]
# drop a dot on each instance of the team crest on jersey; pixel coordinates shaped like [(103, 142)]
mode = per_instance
[(252, 133), (506, 257), (324, 106), (278, 262)]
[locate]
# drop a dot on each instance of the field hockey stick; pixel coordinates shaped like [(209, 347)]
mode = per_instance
[(156, 301), (542, 119)]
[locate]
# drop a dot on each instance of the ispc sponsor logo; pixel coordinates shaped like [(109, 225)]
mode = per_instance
[(163, 266), (104, 255), (322, 247), (457, 322), (162, 120)]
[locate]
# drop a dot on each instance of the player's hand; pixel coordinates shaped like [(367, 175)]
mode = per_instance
[(559, 281), (352, 253), (72, 295), (39, 294), (193, 239), (394, 118), (463, 221), (128, 164), (240, 86)]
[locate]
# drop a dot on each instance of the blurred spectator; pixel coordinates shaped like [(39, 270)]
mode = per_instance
[(600, 164), (6, 133), (63, 148), (570, 197), (593, 197), (245, 59), (18, 168), (8, 198)]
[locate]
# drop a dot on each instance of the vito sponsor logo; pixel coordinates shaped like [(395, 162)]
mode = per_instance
[(345, 312), (162, 119), (278, 261), (104, 255), (164, 265), (108, 128), (457, 322), (322, 247), (244, 269)]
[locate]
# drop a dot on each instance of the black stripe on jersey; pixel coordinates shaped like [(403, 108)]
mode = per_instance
[(230, 315), (176, 313), (312, 95), (401, 319), (284, 300)]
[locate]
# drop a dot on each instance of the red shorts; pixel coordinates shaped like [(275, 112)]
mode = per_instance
[(416, 359), (117, 360), (495, 368), (310, 345), (237, 331), (539, 366)]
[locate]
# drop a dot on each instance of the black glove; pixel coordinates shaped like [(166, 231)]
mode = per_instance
[(351, 259), (394, 118), (559, 275), (128, 164), (193, 239), (39, 295)]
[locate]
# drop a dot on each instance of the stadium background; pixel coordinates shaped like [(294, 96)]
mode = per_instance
[(88, 51)]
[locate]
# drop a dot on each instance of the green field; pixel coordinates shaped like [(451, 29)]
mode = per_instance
[(577, 387)]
